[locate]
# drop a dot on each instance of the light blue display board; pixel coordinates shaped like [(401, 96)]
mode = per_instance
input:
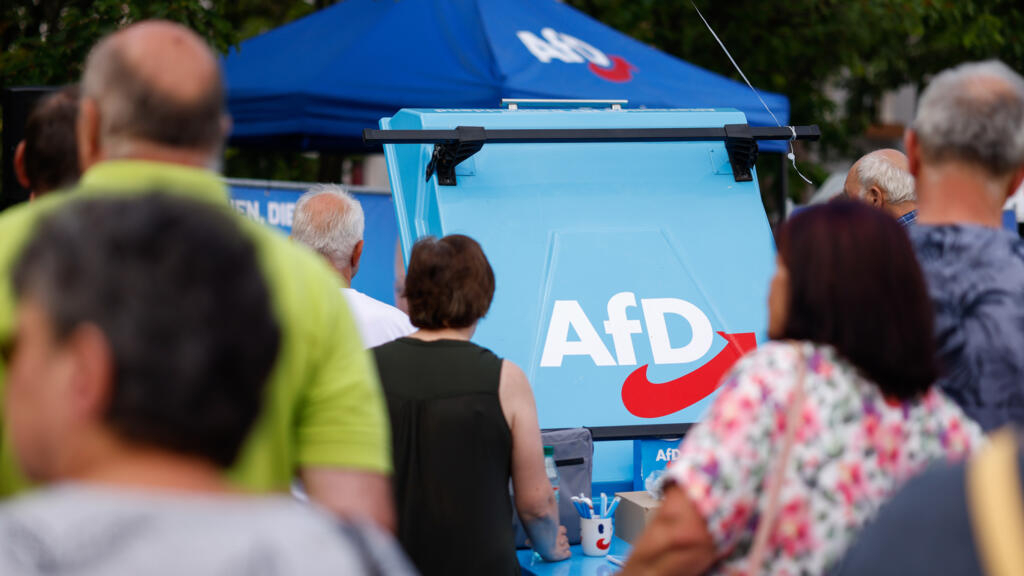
[(275, 206), (619, 266)]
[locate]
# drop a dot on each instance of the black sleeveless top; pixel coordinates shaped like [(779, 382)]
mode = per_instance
[(452, 451)]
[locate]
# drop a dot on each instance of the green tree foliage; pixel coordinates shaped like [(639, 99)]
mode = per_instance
[(45, 42), (810, 49)]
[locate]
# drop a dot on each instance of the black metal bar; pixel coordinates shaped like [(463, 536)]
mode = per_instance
[(608, 433), (453, 146), (583, 135)]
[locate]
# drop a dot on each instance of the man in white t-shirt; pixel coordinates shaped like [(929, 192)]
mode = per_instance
[(330, 221)]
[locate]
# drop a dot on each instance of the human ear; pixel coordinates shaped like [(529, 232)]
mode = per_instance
[(875, 197), (87, 134), (19, 166), (92, 383)]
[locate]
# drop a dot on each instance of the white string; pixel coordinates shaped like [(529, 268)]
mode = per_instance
[(792, 153)]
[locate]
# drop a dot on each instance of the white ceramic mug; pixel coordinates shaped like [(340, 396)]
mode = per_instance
[(596, 535)]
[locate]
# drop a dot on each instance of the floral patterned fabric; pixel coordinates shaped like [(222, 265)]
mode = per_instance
[(852, 449)]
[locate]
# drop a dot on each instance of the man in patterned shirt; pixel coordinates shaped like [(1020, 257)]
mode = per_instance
[(966, 152)]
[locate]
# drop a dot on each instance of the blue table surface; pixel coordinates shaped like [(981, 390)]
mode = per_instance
[(578, 565)]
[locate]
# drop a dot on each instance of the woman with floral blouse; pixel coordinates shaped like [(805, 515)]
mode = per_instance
[(848, 302)]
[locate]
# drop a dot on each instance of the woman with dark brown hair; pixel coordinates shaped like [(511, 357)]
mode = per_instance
[(463, 422), (811, 432)]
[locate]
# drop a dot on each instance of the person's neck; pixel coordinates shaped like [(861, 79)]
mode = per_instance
[(957, 194), (153, 470), (902, 209), (464, 334), (154, 152), (344, 273)]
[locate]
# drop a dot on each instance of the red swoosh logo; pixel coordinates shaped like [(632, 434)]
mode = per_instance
[(645, 399), (604, 543), (621, 71)]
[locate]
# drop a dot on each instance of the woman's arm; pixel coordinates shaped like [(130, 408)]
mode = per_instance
[(534, 496), (676, 541)]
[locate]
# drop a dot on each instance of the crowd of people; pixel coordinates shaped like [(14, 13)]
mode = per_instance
[(171, 369), (896, 344)]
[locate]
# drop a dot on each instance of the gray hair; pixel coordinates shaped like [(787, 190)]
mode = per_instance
[(333, 233), (974, 113), (876, 170), (189, 380), (132, 109)]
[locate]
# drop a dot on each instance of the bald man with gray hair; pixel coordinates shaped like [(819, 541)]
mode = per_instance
[(330, 221), (151, 118), (966, 152), (882, 180)]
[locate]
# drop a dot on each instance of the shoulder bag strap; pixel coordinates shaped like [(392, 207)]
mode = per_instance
[(362, 547), (773, 485), (996, 506)]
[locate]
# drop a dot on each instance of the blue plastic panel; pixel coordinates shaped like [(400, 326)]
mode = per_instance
[(619, 265)]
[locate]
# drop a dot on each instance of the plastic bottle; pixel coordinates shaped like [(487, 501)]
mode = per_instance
[(550, 468)]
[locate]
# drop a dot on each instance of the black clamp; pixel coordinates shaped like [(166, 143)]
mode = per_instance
[(742, 149), (448, 155)]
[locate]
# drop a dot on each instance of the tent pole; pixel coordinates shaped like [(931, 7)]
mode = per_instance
[(783, 189)]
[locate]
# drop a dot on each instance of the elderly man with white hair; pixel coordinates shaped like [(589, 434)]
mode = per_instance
[(330, 221), (881, 179), (966, 152)]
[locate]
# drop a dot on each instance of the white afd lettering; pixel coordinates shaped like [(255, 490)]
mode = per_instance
[(655, 310), (544, 51), (557, 346), (556, 41), (568, 314), (564, 47), (586, 50), (621, 328), (667, 455)]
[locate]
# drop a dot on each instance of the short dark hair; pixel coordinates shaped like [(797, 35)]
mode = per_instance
[(449, 283), (51, 149), (176, 289), (855, 284)]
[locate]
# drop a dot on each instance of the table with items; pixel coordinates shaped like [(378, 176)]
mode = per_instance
[(578, 565)]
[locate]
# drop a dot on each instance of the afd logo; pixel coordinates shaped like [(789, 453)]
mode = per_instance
[(553, 45), (640, 396)]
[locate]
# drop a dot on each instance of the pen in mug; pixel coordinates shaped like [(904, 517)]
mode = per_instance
[(613, 506)]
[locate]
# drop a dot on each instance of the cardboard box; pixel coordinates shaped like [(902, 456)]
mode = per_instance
[(633, 513)]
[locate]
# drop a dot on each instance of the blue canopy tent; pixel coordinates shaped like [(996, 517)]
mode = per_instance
[(316, 83)]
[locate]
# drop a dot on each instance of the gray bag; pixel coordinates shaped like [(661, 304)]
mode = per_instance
[(574, 459)]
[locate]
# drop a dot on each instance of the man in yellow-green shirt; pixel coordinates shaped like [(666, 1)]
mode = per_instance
[(152, 118)]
